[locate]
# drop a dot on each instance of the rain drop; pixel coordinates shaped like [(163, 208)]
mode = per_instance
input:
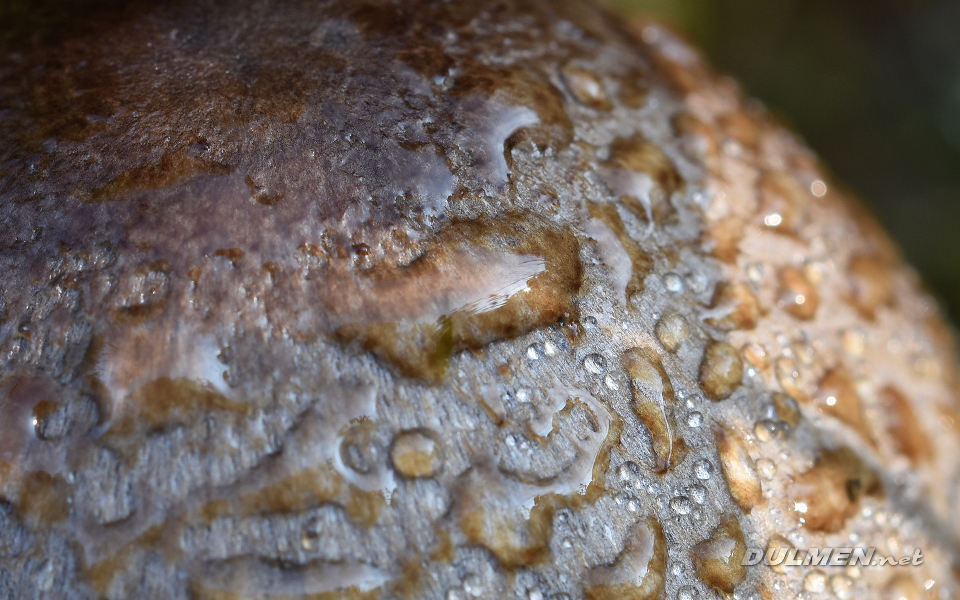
[(766, 468), (698, 493), (594, 363), (673, 282), (815, 581), (680, 505), (703, 469), (688, 592)]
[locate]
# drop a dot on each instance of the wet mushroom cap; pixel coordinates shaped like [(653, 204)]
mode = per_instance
[(436, 300)]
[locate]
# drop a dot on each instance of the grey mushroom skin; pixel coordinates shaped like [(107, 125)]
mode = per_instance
[(443, 300)]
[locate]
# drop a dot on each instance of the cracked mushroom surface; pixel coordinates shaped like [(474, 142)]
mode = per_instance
[(443, 300)]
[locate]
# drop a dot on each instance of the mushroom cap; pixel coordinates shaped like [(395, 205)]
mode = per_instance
[(417, 299)]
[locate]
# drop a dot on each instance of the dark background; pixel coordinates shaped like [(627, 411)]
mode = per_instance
[(874, 88)]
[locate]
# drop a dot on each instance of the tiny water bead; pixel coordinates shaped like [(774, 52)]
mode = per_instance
[(841, 586), (698, 493), (695, 419), (767, 468), (673, 282), (595, 364), (815, 582), (629, 472), (688, 592), (703, 469), (680, 505), (535, 351)]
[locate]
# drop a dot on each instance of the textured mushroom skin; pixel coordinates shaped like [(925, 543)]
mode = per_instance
[(413, 300)]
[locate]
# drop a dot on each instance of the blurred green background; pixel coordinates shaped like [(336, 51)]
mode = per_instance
[(874, 88)]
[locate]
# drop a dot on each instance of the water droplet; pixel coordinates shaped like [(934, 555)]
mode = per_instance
[(698, 493), (534, 594), (595, 363), (789, 377), (310, 536), (45, 577), (473, 585), (786, 409), (766, 430), (534, 351), (455, 594), (767, 468), (673, 282), (589, 322), (757, 355), (672, 330), (798, 296), (585, 87), (818, 188), (611, 383), (755, 272), (523, 395), (698, 282), (695, 419), (815, 581), (841, 586), (688, 592), (703, 469), (680, 505), (629, 472), (549, 349)]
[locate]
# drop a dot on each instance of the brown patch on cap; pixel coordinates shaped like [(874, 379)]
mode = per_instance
[(908, 434), (837, 396), (638, 573), (721, 370), (871, 284), (740, 299), (798, 296), (830, 492), (739, 470), (718, 560), (652, 399)]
